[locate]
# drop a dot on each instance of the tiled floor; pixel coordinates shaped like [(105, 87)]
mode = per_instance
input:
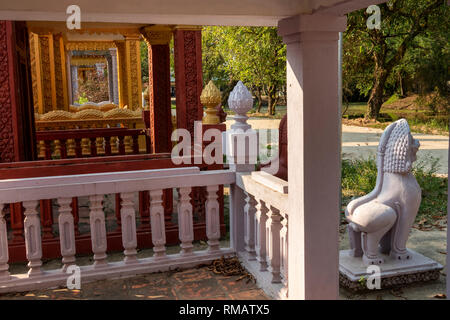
[(191, 284)]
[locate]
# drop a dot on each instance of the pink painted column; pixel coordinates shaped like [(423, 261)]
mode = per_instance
[(448, 229), (313, 131)]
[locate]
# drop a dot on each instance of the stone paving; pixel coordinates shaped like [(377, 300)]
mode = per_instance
[(191, 284)]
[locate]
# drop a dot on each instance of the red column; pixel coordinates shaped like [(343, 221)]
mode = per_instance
[(159, 97), (17, 141), (188, 76)]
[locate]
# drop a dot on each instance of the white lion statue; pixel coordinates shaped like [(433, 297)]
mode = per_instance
[(381, 220)]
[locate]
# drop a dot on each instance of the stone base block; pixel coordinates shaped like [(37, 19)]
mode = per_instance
[(353, 273)]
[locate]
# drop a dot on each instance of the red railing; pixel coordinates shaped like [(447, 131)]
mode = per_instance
[(69, 143)]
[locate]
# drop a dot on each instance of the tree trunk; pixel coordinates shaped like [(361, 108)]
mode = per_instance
[(258, 96), (272, 100), (377, 93)]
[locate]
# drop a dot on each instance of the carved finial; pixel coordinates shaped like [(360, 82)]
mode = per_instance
[(241, 102), (210, 98)]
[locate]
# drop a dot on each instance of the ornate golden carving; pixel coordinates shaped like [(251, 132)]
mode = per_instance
[(56, 115), (90, 45), (156, 34), (211, 97), (83, 60)]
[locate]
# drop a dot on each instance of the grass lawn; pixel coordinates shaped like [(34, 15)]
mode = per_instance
[(419, 120)]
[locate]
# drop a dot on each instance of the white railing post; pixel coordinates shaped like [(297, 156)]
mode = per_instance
[(241, 151), (274, 226), (66, 232), (260, 232), (212, 218), (98, 230), (250, 211), (157, 224), (4, 257), (33, 244), (128, 220), (185, 221)]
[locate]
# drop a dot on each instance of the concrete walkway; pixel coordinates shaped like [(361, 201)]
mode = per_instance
[(362, 142)]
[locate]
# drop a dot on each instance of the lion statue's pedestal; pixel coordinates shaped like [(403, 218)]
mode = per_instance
[(380, 222)]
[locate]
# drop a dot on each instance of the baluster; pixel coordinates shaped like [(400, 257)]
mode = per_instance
[(274, 226), (260, 232), (93, 147), (4, 257), (98, 230), (85, 146), (135, 144), (157, 223), (284, 251), (63, 148), (129, 238), (127, 143), (71, 148), (121, 145), (33, 243), (48, 150), (78, 149), (114, 142), (249, 212), (99, 143), (212, 218), (185, 221), (41, 148), (66, 232), (107, 146), (57, 152)]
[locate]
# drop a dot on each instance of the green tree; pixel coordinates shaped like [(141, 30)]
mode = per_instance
[(378, 58), (254, 55)]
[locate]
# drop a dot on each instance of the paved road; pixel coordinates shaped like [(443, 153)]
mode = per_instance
[(362, 142)]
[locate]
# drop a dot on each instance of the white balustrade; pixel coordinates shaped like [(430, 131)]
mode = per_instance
[(261, 233), (249, 221), (185, 221), (128, 223), (66, 232), (266, 230), (273, 224), (63, 188), (212, 218), (33, 245), (98, 230), (157, 223)]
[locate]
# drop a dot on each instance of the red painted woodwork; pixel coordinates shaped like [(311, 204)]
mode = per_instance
[(16, 105), (160, 113), (92, 134), (282, 151), (188, 77)]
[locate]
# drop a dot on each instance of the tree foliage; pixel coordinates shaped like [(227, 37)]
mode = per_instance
[(254, 55), (409, 52)]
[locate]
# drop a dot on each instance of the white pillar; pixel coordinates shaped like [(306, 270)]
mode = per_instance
[(313, 146), (448, 230), (242, 158)]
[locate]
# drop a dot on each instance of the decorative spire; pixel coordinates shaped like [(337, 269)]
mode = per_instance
[(210, 98), (241, 102)]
